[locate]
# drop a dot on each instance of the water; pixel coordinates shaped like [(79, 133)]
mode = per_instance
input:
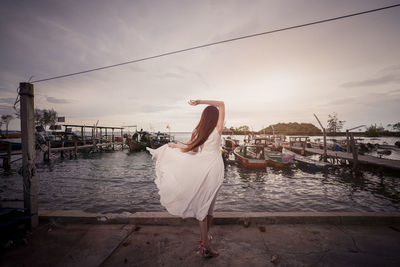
[(120, 181)]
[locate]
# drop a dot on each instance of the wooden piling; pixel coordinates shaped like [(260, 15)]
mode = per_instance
[(30, 179), (75, 148), (62, 151), (354, 150), (7, 158)]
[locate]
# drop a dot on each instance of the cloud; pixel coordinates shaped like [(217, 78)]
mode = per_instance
[(55, 100), (386, 76)]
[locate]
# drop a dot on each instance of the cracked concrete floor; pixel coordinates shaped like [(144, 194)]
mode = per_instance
[(151, 245), (294, 245)]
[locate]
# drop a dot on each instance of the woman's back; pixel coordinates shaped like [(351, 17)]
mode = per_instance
[(213, 143)]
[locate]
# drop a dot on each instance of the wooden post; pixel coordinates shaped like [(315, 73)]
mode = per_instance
[(47, 154), (94, 145), (30, 179), (347, 142), (354, 150), (325, 156), (112, 138), (62, 151), (7, 158), (83, 135), (76, 148)]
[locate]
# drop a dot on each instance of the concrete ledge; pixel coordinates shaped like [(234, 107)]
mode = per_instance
[(243, 218)]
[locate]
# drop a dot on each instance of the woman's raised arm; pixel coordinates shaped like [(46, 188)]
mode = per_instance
[(221, 108)]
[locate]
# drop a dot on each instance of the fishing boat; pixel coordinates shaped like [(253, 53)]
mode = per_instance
[(139, 141), (250, 156), (306, 163), (228, 146), (278, 159)]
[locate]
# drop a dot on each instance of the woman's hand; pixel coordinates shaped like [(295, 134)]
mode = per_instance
[(194, 102), (172, 145)]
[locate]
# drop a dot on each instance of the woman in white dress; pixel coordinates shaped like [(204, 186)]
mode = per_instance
[(189, 176)]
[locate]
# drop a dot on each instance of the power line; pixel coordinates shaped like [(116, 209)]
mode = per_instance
[(216, 43)]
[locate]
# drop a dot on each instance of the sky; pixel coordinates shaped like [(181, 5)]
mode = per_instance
[(351, 66)]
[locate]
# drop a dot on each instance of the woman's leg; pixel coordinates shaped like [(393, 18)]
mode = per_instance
[(209, 220), (204, 232)]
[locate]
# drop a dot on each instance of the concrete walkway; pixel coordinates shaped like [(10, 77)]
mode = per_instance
[(58, 243)]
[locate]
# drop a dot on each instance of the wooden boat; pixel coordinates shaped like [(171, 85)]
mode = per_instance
[(139, 141), (250, 156), (278, 159), (307, 163)]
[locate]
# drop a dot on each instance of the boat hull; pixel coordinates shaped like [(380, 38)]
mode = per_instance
[(250, 163)]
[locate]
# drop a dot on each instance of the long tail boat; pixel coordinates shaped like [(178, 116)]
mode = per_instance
[(278, 159), (251, 156), (139, 141)]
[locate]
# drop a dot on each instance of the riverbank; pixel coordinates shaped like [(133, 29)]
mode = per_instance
[(286, 238)]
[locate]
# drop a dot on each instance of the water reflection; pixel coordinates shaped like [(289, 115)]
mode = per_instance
[(123, 181)]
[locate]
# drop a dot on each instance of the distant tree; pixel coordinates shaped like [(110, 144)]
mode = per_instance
[(245, 129), (6, 119), (334, 124), (45, 117), (240, 130), (374, 131)]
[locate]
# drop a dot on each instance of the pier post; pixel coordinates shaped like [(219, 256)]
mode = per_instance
[(355, 152), (112, 138), (7, 158), (347, 142), (83, 135), (76, 148), (47, 154), (62, 151), (30, 179), (122, 139)]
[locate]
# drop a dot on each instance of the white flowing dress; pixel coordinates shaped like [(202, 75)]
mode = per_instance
[(188, 183)]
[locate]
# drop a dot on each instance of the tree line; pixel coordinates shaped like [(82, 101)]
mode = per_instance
[(334, 126)]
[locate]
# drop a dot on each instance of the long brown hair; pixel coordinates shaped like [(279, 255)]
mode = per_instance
[(208, 121)]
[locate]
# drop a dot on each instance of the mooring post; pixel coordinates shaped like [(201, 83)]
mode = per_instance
[(354, 150), (112, 138), (62, 151), (76, 148), (347, 142), (30, 179), (83, 135)]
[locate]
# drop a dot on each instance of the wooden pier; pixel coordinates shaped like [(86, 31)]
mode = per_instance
[(98, 140), (362, 159)]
